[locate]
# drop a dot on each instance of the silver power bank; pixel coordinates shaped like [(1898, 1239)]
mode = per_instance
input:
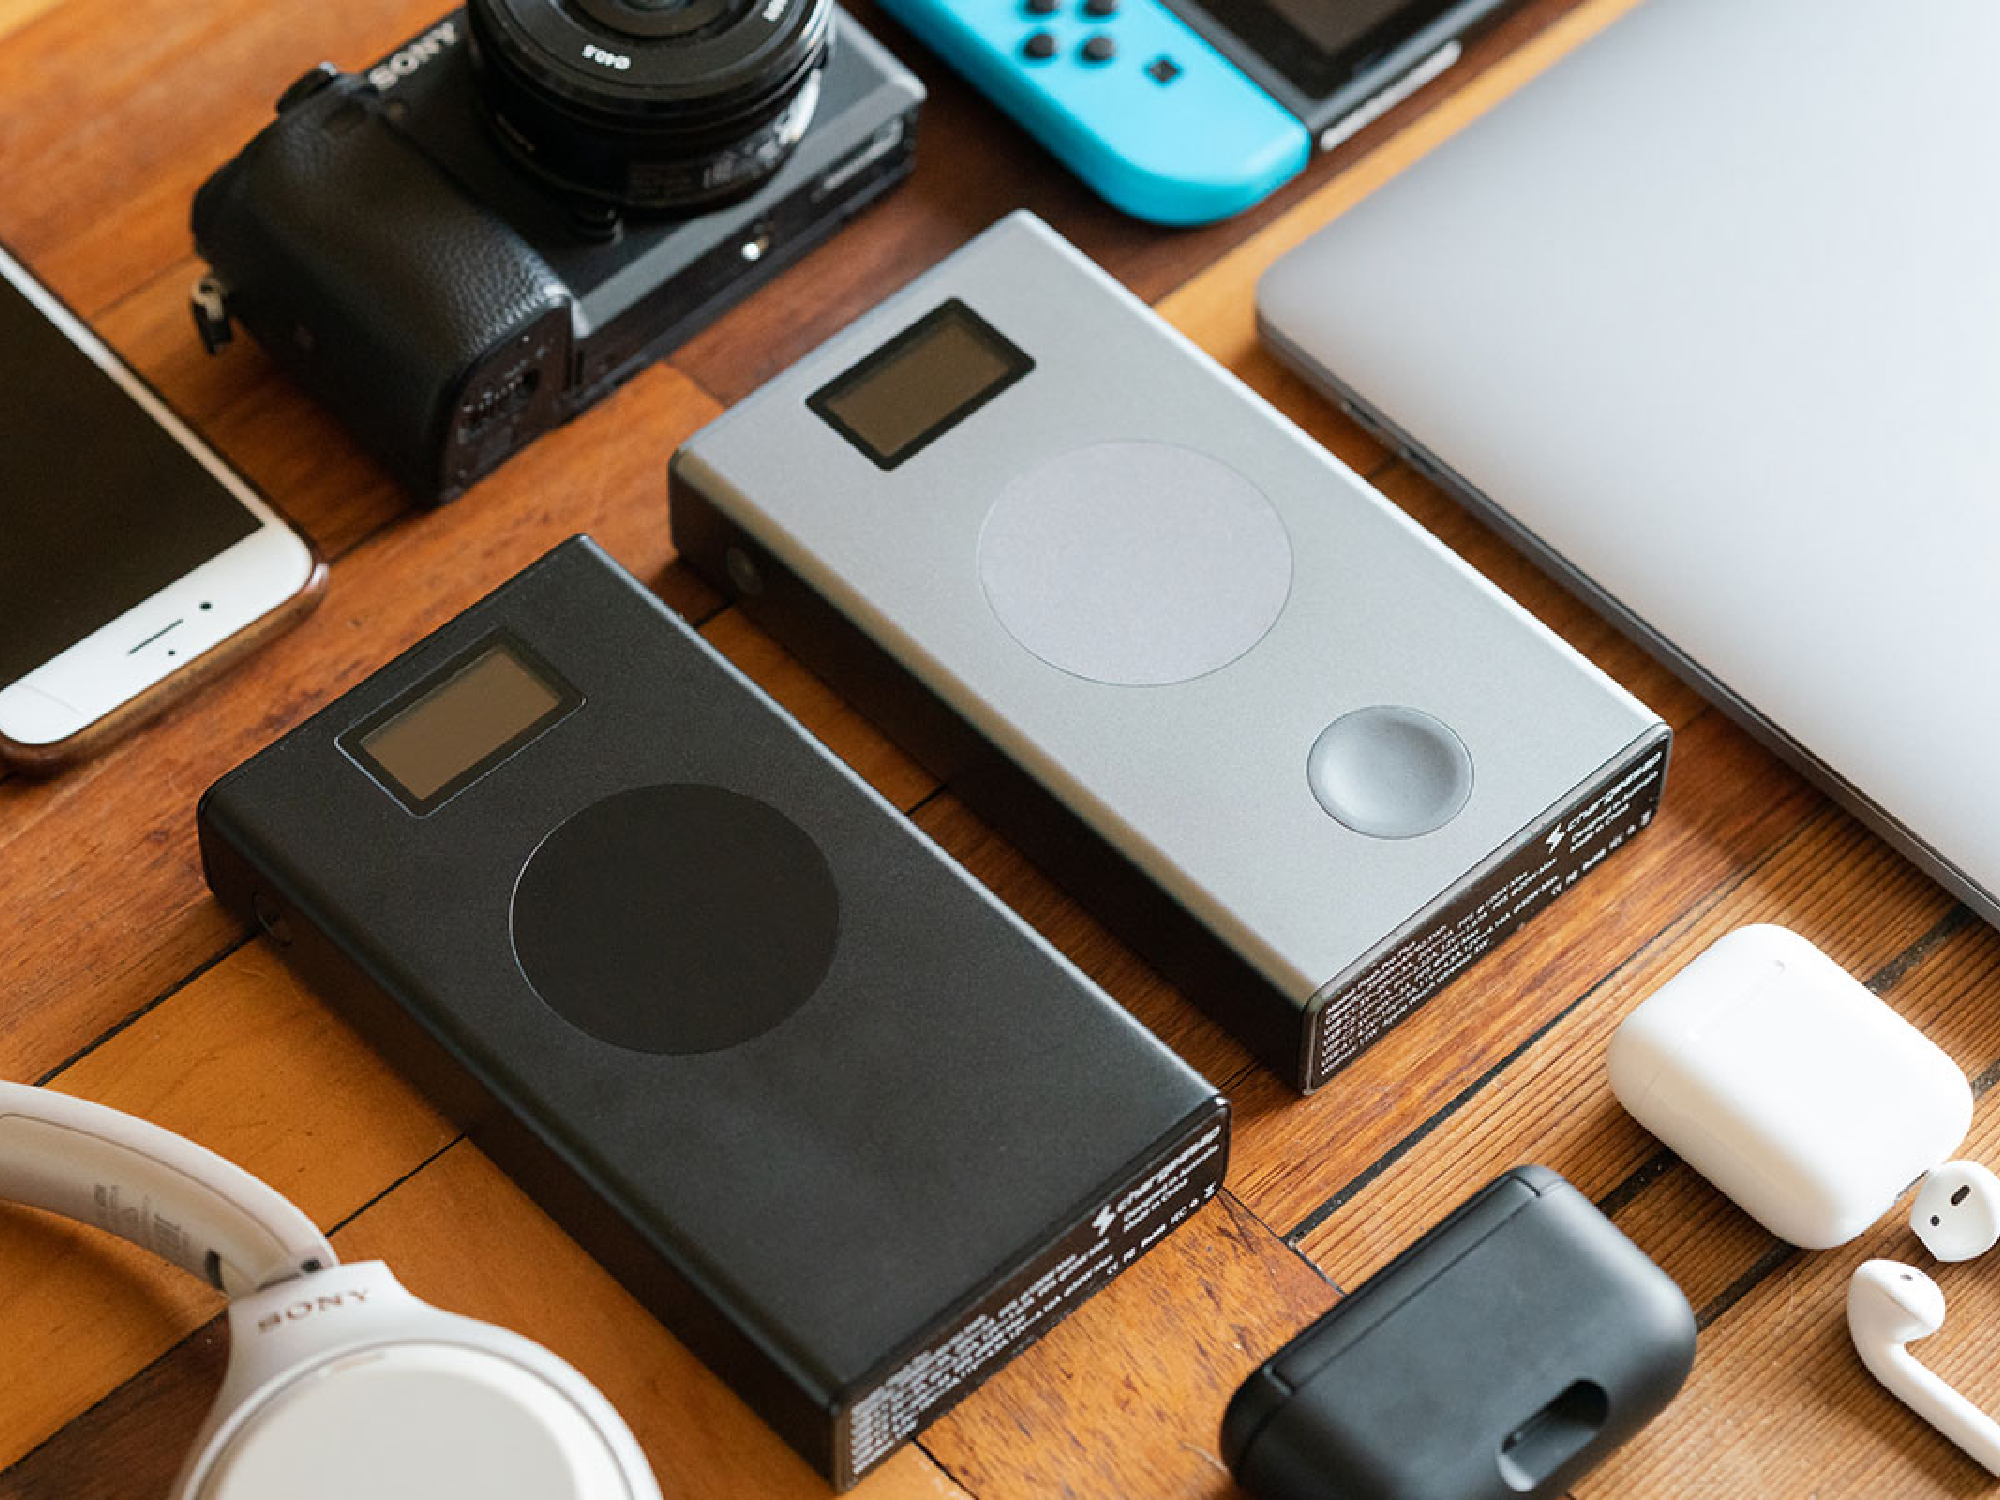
[(1292, 749)]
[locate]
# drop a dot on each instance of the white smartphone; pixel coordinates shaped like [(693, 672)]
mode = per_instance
[(133, 561)]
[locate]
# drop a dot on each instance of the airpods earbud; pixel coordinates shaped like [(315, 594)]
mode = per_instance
[(1957, 1216), (1957, 1212), (1890, 1305)]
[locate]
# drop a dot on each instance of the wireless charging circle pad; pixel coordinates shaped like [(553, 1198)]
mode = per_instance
[(1135, 564), (645, 919), (414, 1422)]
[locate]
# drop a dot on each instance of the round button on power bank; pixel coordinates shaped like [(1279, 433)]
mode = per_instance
[(1390, 772)]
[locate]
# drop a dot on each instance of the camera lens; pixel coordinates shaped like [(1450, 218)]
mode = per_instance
[(652, 104), (658, 18)]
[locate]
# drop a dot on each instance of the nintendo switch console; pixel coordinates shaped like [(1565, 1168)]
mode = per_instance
[(831, 1111), (1296, 752), (1188, 111)]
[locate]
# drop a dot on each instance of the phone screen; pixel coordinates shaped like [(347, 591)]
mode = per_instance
[(100, 508), (1320, 44)]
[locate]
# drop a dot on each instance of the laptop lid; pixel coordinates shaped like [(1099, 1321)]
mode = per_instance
[(1709, 317)]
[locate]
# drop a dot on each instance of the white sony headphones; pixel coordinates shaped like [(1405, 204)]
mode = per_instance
[(340, 1383)]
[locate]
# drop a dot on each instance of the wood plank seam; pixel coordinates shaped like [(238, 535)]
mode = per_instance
[(212, 1328), (207, 1328), (1377, 473), (1290, 1244), (332, 1229), (1988, 1076), (1644, 1176), (943, 1468), (1436, 1121), (1013, 1441), (1772, 1260), (1894, 965), (1896, 969), (242, 940)]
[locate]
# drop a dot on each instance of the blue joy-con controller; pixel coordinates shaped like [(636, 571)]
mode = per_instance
[(1133, 100)]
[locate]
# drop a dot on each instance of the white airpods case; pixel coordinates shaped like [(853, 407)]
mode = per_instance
[(1780, 1078)]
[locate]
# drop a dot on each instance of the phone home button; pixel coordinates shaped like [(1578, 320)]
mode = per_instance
[(677, 919)]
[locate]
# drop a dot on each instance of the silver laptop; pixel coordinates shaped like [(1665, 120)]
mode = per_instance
[(1708, 317)]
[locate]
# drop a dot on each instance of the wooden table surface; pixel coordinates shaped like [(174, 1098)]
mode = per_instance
[(120, 979)]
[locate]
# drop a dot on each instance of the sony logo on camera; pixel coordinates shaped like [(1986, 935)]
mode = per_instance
[(426, 48)]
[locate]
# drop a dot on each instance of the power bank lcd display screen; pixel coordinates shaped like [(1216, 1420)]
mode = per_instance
[(100, 508), (919, 385), (462, 723)]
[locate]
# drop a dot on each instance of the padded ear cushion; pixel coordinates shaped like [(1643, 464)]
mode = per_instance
[(417, 1421), (344, 1386)]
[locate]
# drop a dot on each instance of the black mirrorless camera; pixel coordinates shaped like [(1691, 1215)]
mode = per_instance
[(476, 238)]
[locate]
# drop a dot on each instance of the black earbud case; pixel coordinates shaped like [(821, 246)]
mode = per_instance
[(1503, 1354)]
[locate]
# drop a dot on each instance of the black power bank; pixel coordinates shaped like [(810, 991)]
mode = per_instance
[(830, 1110)]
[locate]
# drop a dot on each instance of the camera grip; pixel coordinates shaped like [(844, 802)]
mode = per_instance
[(372, 280)]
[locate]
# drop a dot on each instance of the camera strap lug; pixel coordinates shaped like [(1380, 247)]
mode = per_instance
[(210, 307), (594, 219), (307, 84)]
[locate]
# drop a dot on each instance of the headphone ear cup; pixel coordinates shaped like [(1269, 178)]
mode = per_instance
[(343, 1386)]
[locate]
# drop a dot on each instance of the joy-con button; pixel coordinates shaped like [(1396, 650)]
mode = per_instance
[(1099, 49), (1099, 9), (1039, 47)]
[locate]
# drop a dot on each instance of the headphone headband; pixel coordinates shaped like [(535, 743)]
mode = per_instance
[(164, 1193)]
